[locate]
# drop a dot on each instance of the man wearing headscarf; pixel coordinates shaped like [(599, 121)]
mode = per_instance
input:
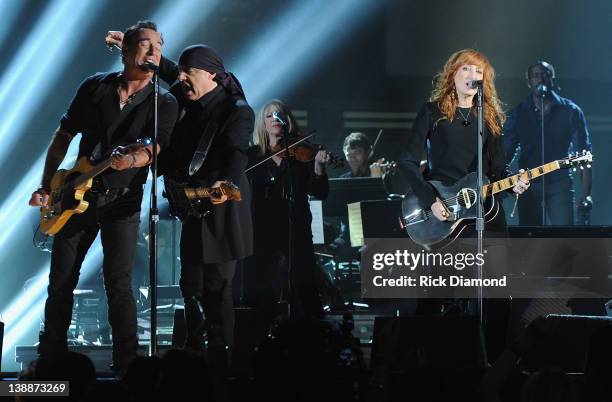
[(207, 148)]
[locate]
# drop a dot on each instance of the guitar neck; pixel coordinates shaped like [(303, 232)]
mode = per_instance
[(509, 182), (193, 193)]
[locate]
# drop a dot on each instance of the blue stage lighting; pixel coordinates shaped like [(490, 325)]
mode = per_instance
[(25, 86), (9, 10), (294, 43)]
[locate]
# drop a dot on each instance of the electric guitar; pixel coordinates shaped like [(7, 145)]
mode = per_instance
[(68, 189), (186, 200), (460, 200)]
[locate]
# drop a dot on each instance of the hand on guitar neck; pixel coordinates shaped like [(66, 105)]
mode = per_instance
[(218, 197), (122, 159), (523, 183)]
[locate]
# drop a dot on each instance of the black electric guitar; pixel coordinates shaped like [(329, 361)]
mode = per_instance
[(460, 200), (68, 188), (186, 200)]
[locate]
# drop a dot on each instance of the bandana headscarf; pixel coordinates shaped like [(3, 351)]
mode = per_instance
[(206, 58)]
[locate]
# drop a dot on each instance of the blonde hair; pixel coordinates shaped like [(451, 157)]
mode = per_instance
[(260, 134), (444, 93)]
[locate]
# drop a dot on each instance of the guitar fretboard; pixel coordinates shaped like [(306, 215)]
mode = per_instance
[(193, 193), (509, 182)]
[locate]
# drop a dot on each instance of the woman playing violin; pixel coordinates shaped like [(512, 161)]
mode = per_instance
[(270, 182)]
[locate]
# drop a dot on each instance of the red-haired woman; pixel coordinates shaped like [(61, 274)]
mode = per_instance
[(446, 127)]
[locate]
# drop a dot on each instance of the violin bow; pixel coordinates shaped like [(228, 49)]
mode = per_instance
[(312, 133), (376, 141)]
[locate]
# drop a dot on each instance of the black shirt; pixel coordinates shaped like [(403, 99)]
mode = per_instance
[(451, 150), (270, 184), (95, 109), (565, 131)]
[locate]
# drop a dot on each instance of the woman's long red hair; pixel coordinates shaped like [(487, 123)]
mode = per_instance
[(445, 96)]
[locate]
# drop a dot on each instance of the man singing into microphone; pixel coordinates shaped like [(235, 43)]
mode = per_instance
[(565, 130), (109, 110)]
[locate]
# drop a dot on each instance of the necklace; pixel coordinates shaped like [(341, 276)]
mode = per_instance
[(466, 122), (127, 100)]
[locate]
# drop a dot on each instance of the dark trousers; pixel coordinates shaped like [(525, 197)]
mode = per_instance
[(117, 217), (559, 205), (207, 289)]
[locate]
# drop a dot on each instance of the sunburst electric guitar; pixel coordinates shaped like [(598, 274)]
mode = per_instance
[(186, 200), (68, 189), (460, 200)]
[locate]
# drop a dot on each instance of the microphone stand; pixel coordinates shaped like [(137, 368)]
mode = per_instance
[(480, 216), (543, 205), (153, 219), (290, 196)]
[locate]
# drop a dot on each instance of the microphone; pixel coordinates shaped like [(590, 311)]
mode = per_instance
[(542, 90), (279, 118), (474, 84), (149, 65)]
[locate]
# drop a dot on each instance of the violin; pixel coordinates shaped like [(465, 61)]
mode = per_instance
[(304, 151), (382, 167)]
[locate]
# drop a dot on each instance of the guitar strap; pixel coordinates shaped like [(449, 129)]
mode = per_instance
[(210, 132)]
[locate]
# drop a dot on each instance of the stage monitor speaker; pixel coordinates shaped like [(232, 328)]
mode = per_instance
[(448, 343)]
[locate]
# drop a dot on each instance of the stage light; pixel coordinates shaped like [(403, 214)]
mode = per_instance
[(294, 43), (9, 10), (39, 64)]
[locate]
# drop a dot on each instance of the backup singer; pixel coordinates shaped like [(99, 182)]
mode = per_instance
[(565, 130)]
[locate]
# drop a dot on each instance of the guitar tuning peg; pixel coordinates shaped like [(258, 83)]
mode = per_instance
[(574, 169), (588, 165), (581, 167)]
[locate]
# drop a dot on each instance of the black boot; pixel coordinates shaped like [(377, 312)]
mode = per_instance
[(194, 325)]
